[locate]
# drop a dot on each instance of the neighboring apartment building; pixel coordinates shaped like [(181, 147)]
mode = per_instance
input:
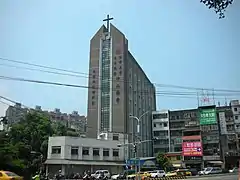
[(118, 88), (212, 131), (161, 131), (76, 155), (74, 120)]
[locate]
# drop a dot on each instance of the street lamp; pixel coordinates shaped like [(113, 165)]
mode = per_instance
[(138, 120)]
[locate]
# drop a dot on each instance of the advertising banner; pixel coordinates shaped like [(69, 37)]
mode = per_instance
[(192, 148), (207, 116)]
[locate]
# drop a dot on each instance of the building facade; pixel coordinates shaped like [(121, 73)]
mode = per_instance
[(161, 131), (205, 136), (73, 120), (76, 155), (118, 88)]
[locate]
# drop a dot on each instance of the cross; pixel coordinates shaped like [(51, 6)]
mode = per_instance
[(108, 19)]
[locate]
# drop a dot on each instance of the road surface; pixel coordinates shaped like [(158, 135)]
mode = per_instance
[(217, 177)]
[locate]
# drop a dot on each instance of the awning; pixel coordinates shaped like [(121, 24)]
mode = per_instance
[(215, 162), (70, 162)]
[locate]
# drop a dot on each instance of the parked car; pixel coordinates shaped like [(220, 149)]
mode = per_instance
[(157, 173), (235, 169), (193, 171), (202, 172), (184, 172), (7, 175), (213, 170), (98, 173), (124, 174), (171, 174), (115, 176)]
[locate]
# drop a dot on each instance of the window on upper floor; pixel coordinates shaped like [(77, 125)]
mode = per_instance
[(115, 137), (165, 124), (105, 152), (115, 152), (74, 150), (236, 117), (56, 149), (95, 151), (85, 151), (235, 109)]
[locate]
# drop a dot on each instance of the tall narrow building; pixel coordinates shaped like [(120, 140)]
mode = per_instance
[(118, 89)]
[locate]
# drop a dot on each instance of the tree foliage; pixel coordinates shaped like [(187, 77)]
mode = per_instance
[(30, 134), (163, 161), (219, 6)]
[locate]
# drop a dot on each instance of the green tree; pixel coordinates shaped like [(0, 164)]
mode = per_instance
[(219, 6), (163, 161)]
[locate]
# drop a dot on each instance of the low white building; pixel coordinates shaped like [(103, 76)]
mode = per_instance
[(76, 155)]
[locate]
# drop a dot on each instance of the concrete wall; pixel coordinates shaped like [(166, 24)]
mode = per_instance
[(67, 143)]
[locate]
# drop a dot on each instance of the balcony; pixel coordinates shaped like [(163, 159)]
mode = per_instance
[(212, 158), (197, 137)]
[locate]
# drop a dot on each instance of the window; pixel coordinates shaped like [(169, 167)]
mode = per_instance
[(93, 92), (160, 116), (56, 149), (93, 76), (117, 86), (117, 92), (165, 124), (154, 125), (120, 57), (117, 100), (93, 97), (95, 151), (120, 72), (236, 117), (74, 150), (235, 109), (93, 103), (93, 81), (115, 152), (115, 137), (85, 151), (105, 152)]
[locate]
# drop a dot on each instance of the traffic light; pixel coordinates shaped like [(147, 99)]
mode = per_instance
[(135, 148)]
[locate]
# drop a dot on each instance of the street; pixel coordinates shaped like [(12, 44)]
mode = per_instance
[(222, 177)]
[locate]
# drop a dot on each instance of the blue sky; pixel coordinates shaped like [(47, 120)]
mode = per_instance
[(176, 42)]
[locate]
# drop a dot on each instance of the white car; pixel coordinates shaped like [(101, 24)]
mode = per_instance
[(98, 173), (157, 173), (235, 169), (115, 176)]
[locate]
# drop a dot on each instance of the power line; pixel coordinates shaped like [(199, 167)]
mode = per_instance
[(158, 93), (120, 80), (42, 66), (83, 73), (45, 71)]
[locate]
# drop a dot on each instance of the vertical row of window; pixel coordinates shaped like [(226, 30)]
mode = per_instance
[(93, 87), (105, 84), (117, 73)]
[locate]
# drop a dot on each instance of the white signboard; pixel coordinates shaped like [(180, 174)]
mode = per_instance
[(222, 121)]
